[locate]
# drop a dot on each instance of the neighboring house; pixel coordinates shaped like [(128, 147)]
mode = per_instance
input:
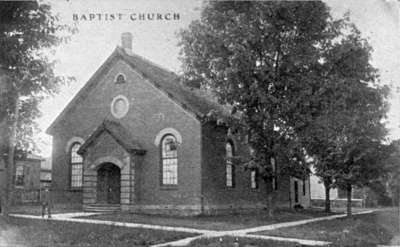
[(27, 178), (134, 137), (45, 173)]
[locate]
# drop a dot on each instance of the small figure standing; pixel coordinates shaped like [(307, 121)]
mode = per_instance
[(46, 202)]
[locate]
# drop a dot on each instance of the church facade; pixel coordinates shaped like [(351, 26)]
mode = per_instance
[(135, 137)]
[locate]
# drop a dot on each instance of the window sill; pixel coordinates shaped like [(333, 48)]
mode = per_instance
[(76, 189), (168, 187)]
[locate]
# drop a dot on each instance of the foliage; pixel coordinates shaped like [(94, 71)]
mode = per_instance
[(299, 82), (254, 55), (28, 33)]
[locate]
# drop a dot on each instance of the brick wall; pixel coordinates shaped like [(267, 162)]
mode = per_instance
[(217, 197), (150, 112)]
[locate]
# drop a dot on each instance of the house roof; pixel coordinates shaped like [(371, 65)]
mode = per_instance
[(118, 132), (198, 102)]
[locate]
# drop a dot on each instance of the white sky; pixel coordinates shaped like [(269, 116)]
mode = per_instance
[(157, 41)]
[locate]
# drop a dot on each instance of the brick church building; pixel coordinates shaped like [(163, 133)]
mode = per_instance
[(136, 138)]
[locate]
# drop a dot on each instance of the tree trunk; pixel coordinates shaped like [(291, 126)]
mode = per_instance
[(348, 189), (270, 205), (327, 197), (10, 160), (270, 197)]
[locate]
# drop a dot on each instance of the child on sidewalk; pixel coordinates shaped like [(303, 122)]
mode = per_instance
[(45, 200)]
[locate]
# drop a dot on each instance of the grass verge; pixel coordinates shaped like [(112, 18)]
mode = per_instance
[(379, 227), (47, 233), (246, 242)]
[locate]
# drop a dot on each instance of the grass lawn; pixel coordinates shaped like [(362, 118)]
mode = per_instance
[(360, 230), (243, 242), (219, 222), (17, 232), (36, 209)]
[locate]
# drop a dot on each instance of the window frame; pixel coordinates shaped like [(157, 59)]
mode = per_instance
[(255, 172), (175, 176), (119, 75), (119, 115), (22, 176), (230, 164), (72, 163), (275, 172)]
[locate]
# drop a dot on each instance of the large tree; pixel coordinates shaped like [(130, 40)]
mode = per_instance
[(259, 57), (358, 111), (28, 33), (351, 105), (297, 77)]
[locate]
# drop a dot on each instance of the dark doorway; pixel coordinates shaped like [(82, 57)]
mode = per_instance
[(108, 184), (296, 192)]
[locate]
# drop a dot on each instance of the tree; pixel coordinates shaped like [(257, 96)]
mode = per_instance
[(301, 81), (360, 131), (259, 57), (392, 168), (28, 32), (346, 107)]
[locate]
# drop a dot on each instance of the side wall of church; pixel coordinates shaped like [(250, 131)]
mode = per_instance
[(217, 197)]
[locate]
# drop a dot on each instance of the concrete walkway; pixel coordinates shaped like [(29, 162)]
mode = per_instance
[(68, 218), (245, 233)]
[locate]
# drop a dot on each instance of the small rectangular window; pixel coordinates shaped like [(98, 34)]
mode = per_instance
[(253, 179), (19, 175), (229, 168), (304, 187), (296, 192), (229, 175), (275, 177)]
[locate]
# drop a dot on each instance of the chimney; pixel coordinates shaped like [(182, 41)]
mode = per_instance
[(126, 42)]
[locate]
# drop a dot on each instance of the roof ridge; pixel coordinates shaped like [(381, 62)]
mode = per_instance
[(148, 61)]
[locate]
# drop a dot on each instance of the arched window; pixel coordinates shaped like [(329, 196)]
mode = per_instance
[(76, 166), (120, 79), (230, 182), (169, 160)]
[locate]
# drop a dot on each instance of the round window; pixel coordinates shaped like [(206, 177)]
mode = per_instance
[(119, 106)]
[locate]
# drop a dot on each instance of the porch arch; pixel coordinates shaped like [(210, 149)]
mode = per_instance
[(107, 159)]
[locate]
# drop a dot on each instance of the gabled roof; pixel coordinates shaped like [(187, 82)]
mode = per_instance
[(195, 101), (118, 132)]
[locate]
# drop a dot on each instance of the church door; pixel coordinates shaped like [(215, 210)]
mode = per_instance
[(296, 192), (108, 184)]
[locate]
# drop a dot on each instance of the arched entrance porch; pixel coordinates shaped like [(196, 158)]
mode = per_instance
[(108, 184)]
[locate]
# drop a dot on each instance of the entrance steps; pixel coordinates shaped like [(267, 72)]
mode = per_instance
[(103, 208)]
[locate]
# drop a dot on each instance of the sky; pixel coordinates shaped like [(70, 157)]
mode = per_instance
[(157, 40)]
